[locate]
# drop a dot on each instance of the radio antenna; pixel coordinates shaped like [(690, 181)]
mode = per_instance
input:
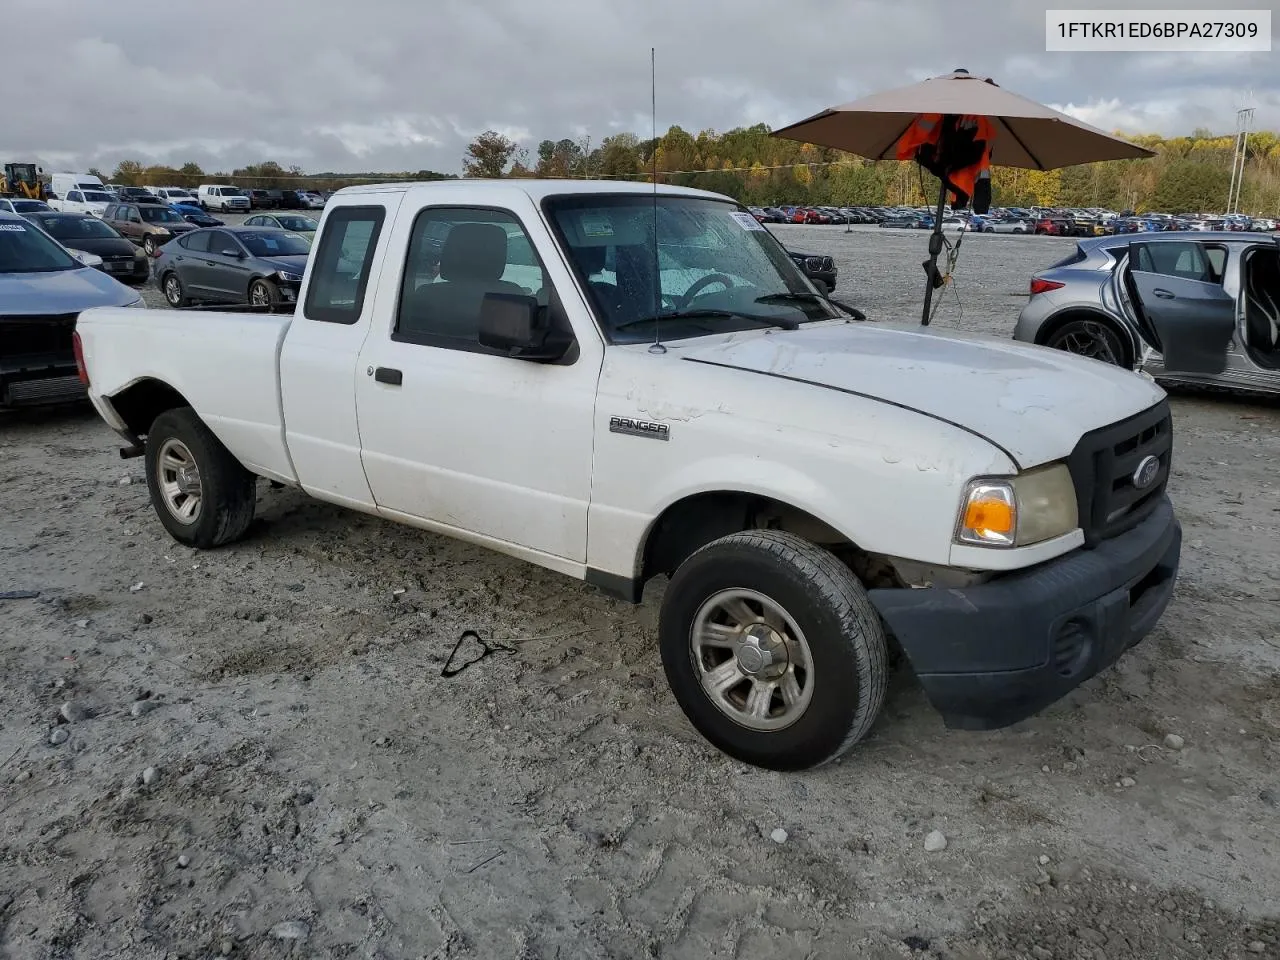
[(656, 346)]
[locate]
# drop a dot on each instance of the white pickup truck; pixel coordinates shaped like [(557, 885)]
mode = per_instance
[(618, 385)]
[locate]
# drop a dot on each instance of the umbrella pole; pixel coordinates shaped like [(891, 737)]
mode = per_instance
[(935, 248)]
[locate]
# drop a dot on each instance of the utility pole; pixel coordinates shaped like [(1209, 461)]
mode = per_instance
[(1244, 126)]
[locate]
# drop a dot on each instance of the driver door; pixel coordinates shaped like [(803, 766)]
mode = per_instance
[(1178, 298), (453, 432)]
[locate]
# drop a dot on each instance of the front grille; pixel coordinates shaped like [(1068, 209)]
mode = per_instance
[(1103, 465), (36, 335)]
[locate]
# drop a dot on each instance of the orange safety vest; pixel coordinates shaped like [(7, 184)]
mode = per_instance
[(922, 140)]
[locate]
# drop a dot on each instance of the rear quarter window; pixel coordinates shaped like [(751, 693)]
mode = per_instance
[(341, 263), (1078, 256)]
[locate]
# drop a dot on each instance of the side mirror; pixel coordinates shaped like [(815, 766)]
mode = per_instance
[(516, 325)]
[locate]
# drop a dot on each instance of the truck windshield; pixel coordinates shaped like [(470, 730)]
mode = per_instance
[(713, 268), (24, 249)]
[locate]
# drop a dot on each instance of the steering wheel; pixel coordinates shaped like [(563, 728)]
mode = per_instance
[(701, 283)]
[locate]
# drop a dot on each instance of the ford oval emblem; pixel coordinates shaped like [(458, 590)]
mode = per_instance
[(1146, 473)]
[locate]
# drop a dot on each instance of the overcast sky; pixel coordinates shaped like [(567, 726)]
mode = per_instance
[(394, 85)]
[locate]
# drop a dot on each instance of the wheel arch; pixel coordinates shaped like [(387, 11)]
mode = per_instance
[(256, 278), (691, 522), (142, 401), (1059, 320)]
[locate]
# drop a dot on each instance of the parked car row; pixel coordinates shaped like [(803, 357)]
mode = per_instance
[(86, 193), (1074, 222)]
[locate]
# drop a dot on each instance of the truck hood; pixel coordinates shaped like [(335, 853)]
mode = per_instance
[(1032, 402)]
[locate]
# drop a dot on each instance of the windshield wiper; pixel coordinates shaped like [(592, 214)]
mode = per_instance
[(785, 323), (853, 312)]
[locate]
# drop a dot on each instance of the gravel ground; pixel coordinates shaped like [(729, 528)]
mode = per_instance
[(252, 751)]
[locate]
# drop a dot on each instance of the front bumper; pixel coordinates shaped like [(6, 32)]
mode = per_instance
[(996, 653)]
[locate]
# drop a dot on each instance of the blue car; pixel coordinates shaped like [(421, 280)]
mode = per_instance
[(43, 289), (193, 214)]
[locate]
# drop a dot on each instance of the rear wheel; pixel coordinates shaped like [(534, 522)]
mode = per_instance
[(773, 650), (1090, 338), (200, 492), (173, 292)]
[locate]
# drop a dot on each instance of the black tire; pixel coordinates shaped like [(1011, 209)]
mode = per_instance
[(149, 245), (843, 631), (264, 293), (174, 293), (1097, 339), (227, 491)]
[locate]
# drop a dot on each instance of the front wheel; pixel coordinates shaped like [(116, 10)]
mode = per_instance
[(773, 650), (200, 492), (264, 293), (149, 246), (1089, 338)]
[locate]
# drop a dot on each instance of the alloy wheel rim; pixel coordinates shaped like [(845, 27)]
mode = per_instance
[(751, 659), (178, 478), (1090, 341)]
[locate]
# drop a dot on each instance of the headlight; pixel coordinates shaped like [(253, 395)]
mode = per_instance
[(289, 277), (1006, 512), (137, 303)]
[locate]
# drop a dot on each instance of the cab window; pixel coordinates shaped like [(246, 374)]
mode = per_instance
[(340, 265), (458, 255)]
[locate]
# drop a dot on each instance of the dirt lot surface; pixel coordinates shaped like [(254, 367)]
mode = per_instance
[(252, 751)]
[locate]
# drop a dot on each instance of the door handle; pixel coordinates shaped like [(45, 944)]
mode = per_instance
[(388, 375), (1162, 293)]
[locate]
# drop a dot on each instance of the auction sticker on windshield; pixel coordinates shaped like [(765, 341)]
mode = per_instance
[(13, 228), (594, 225), (746, 221)]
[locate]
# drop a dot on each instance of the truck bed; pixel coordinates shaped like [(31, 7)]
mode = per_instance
[(224, 362)]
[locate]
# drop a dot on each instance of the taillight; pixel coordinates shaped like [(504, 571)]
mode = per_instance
[(155, 254), (78, 349), (1044, 286)]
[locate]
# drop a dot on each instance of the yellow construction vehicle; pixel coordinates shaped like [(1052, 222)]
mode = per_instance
[(22, 180)]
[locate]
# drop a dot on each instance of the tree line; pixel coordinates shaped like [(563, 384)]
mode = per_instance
[(1188, 174)]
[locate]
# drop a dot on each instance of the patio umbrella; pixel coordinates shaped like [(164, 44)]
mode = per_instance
[(1015, 131)]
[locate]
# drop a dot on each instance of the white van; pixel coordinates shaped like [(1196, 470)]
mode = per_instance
[(79, 193), (218, 196)]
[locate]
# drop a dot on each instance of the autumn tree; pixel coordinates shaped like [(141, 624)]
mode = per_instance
[(1188, 173), (487, 155), (129, 173)]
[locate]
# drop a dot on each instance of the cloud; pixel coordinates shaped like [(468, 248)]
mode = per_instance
[(405, 84)]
